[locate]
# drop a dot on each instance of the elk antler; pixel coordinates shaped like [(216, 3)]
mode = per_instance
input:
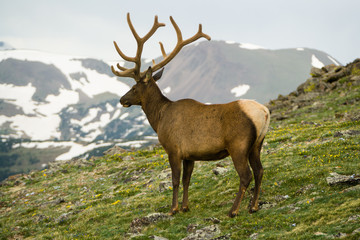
[(180, 44), (135, 72)]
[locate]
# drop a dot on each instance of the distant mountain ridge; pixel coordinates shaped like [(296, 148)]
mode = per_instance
[(217, 71), (48, 96)]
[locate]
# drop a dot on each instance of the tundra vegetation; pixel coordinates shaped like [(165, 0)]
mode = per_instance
[(312, 135)]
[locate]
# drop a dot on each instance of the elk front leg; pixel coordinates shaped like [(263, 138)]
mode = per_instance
[(188, 169), (175, 164)]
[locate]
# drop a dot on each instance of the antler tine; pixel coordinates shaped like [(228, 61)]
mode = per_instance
[(135, 72), (155, 26), (180, 44), (198, 35), (162, 50), (124, 73), (126, 58)]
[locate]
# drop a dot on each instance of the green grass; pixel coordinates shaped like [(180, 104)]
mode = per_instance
[(100, 200)]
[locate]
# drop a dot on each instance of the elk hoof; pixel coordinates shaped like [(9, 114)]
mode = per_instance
[(232, 214), (173, 212), (253, 210), (185, 209)]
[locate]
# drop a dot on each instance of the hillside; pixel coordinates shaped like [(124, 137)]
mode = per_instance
[(56, 107), (219, 72), (47, 96), (310, 188)]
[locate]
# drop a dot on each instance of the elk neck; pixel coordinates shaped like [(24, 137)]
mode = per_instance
[(153, 104)]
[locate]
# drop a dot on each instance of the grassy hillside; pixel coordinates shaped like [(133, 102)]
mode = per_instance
[(312, 135)]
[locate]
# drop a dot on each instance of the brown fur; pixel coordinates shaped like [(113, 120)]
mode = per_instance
[(191, 131)]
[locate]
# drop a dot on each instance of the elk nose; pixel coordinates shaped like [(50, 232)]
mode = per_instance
[(124, 102)]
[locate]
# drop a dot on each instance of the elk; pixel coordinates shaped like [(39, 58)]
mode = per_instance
[(191, 131)]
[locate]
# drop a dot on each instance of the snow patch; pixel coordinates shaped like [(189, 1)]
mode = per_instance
[(315, 62), (125, 115), (133, 144), (167, 90), (116, 114), (19, 95), (230, 42), (148, 60), (250, 46), (41, 120), (240, 90), (75, 150), (300, 49), (109, 107)]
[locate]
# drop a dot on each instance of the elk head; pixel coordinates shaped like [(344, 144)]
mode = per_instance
[(141, 88), (143, 79)]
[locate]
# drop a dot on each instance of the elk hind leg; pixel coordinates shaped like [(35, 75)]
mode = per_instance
[(240, 161), (188, 167), (255, 163)]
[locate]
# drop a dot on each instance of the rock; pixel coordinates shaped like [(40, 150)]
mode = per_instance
[(316, 72), (158, 238), (191, 228), (212, 219), (165, 174), (356, 231), (280, 198), (354, 188), (320, 234), (208, 232), (224, 237), (63, 217), (114, 150), (41, 218), (337, 179), (54, 202), (266, 205), (164, 185), (292, 208), (137, 224), (305, 189), (347, 133), (254, 236), (340, 235), (220, 171), (353, 218)]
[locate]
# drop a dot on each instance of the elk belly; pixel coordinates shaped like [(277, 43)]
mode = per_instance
[(207, 156)]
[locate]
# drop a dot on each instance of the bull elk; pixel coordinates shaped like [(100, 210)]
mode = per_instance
[(191, 131)]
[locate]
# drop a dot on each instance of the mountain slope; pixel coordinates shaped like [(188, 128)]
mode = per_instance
[(219, 72), (314, 136), (37, 87), (47, 96)]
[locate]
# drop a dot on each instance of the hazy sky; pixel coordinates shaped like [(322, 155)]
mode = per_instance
[(88, 27)]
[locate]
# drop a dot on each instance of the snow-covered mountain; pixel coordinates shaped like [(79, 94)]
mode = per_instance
[(49, 96), (219, 71), (46, 96)]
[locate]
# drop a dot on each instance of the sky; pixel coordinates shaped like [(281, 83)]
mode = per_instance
[(87, 28)]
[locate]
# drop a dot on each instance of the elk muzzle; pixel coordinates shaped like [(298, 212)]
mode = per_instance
[(124, 102)]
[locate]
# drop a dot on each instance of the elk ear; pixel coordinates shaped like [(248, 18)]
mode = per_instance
[(148, 75), (158, 75)]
